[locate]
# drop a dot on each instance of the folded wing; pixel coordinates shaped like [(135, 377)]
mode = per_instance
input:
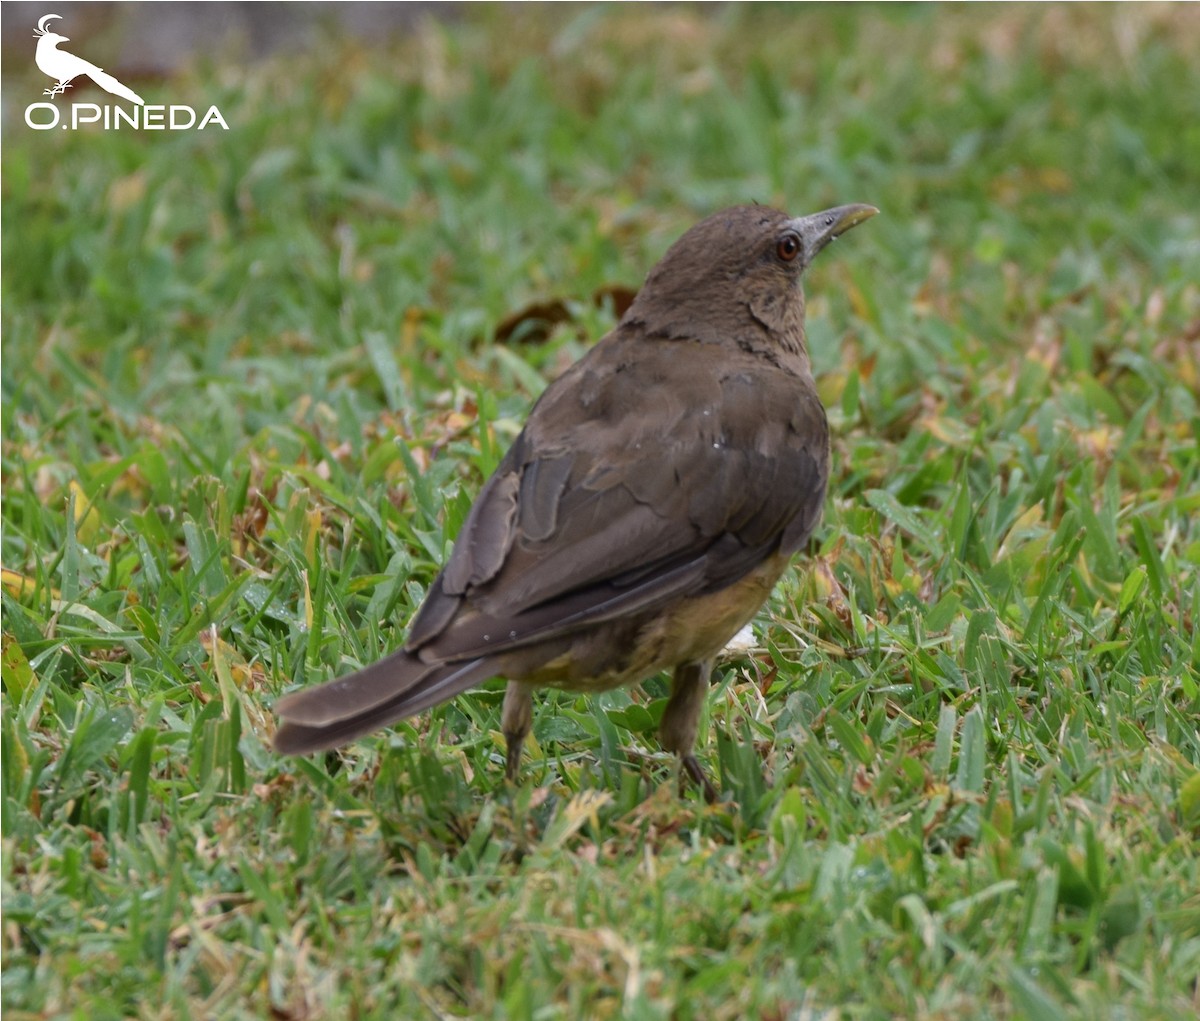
[(621, 495)]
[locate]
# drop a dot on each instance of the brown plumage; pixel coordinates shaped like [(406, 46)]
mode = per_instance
[(657, 492)]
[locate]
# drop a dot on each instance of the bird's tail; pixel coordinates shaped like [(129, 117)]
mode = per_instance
[(400, 685), (107, 82)]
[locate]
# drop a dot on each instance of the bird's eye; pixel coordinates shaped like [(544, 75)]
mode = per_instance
[(788, 247)]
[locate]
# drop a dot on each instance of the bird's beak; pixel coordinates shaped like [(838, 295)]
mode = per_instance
[(817, 229)]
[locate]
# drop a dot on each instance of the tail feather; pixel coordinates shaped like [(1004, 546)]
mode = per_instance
[(110, 84), (355, 694), (396, 687)]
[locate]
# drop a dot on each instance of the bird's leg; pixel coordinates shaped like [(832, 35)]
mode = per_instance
[(681, 720), (516, 719), (60, 87)]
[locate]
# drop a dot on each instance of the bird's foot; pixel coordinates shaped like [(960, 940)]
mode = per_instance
[(512, 762), (693, 769)]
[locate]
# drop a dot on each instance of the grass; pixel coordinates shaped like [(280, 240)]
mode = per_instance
[(251, 384)]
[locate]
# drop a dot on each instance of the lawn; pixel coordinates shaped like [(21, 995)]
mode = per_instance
[(252, 380)]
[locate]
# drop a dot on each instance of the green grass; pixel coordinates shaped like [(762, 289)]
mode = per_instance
[(250, 386)]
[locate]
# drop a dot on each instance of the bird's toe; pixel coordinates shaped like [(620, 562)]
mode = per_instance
[(694, 770)]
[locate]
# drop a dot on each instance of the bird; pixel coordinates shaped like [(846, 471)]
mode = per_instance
[(659, 489), (63, 67)]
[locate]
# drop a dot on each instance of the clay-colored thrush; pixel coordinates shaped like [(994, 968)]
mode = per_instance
[(654, 497)]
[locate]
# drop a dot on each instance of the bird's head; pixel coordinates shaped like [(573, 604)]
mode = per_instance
[(735, 276), (42, 32)]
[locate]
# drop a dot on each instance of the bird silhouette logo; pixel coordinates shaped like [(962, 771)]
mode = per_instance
[(64, 67)]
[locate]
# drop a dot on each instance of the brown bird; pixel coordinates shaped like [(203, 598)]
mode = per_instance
[(656, 494)]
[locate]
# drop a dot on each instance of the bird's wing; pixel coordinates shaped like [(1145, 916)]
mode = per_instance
[(627, 489), (67, 66)]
